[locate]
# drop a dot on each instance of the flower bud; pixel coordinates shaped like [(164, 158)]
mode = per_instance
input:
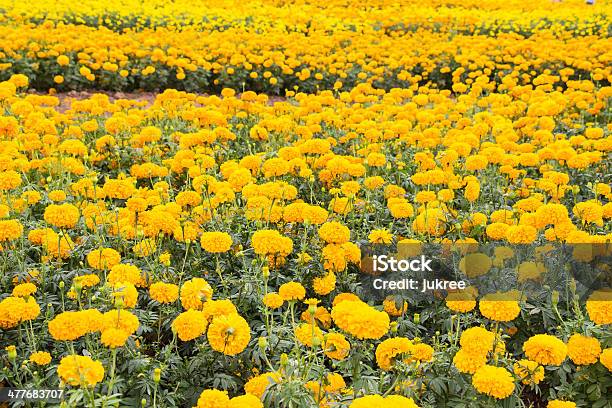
[(284, 359), (262, 342), (266, 272), (394, 327), (12, 352), (157, 375), (555, 298), (417, 318)]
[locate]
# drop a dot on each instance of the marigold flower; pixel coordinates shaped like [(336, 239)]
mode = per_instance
[(494, 381), (10, 230), (605, 358), (80, 371), (292, 291), (229, 334), (41, 358), (216, 242), (360, 320), (273, 300), (336, 346), (114, 338), (164, 292), (529, 372), (545, 349), (258, 384), (583, 350), (560, 404), (103, 258), (468, 362), (24, 290), (194, 293), (599, 306), (190, 324), (62, 215), (391, 348), (334, 233)]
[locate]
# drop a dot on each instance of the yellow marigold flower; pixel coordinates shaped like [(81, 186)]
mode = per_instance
[(395, 306), (389, 349), (164, 292), (605, 358), (583, 350), (521, 234), (308, 334), (190, 324), (213, 399), (63, 60), (119, 189), (360, 320), (529, 372), (126, 273), (245, 401), (114, 338), (500, 306), (560, 404), (334, 233), (497, 230), (472, 191), (124, 294), (119, 319), (271, 242), (86, 281), (229, 334), (69, 325), (477, 340), (336, 346), (216, 308), (380, 236), (430, 221), (194, 293), (468, 362), (41, 358), (164, 259), (9, 180), (80, 371), (62, 215), (599, 306), (474, 265), (545, 349), (371, 401), (421, 352), (216, 242), (273, 300), (589, 212), (144, 248), (462, 301), (10, 230), (292, 291), (494, 381), (103, 258), (19, 80), (323, 285), (24, 290), (258, 384), (56, 195)]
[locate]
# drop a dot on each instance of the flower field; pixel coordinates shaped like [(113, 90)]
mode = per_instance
[(208, 248)]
